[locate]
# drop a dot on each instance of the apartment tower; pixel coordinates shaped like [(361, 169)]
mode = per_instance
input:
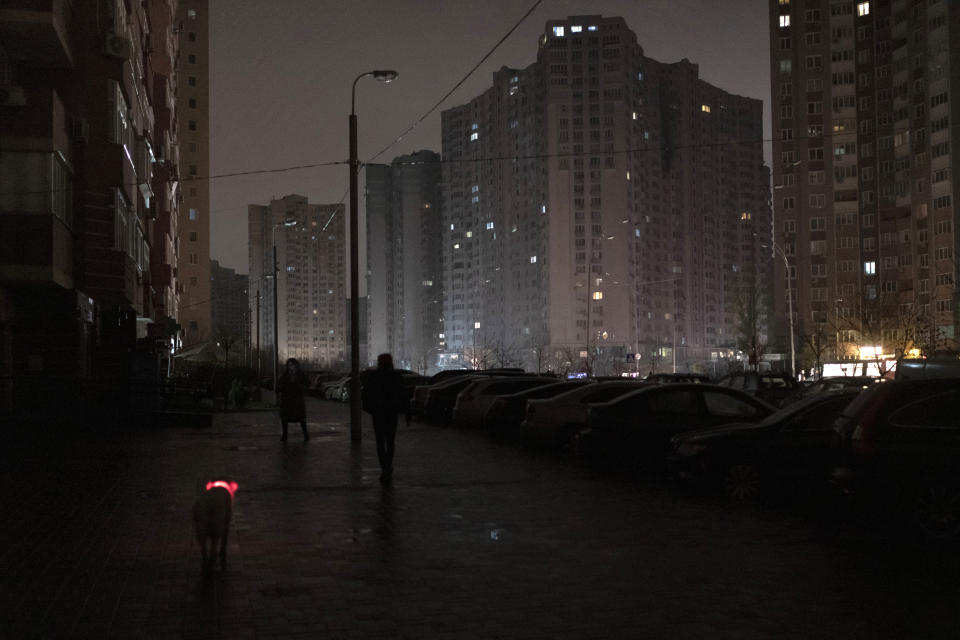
[(404, 260), (600, 205), (864, 116), (310, 294), (193, 107)]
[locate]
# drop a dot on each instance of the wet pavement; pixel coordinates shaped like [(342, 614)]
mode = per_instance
[(474, 539)]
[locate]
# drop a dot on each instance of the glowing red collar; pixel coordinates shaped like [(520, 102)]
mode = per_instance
[(231, 487)]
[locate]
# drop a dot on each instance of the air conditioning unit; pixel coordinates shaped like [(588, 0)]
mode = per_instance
[(11, 96), (79, 129), (116, 46)]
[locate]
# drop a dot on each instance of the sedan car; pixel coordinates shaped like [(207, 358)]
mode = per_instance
[(472, 403), (553, 422), (506, 411), (794, 448), (636, 428)]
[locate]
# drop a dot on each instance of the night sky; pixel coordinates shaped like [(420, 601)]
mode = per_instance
[(280, 76)]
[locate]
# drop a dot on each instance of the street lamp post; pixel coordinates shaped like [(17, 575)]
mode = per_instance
[(383, 76), (276, 317), (786, 272)]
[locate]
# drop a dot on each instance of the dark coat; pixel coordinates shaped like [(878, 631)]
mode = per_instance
[(383, 393), (292, 404)]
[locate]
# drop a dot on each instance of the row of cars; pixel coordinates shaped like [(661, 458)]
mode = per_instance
[(894, 445)]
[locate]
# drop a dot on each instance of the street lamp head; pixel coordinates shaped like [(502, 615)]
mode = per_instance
[(385, 75)]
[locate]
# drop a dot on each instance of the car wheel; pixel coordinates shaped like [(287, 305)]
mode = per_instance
[(936, 508), (742, 483)]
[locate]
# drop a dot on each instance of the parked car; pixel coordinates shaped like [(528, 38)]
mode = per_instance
[(830, 383), (772, 388), (331, 390), (636, 428), (418, 401), (474, 400), (669, 378), (900, 450), (438, 406), (923, 368), (506, 411), (553, 422), (794, 448)]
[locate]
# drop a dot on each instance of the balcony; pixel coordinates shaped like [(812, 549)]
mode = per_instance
[(36, 241), (39, 31)]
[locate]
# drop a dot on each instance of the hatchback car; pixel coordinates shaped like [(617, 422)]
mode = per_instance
[(474, 400), (794, 448), (900, 450), (636, 428), (553, 422)]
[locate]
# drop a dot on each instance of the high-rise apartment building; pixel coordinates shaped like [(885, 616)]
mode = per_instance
[(404, 260), (599, 204), (193, 108), (864, 111), (87, 168), (229, 302), (311, 325)]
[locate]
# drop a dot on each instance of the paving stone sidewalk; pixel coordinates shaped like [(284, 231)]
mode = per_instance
[(475, 538)]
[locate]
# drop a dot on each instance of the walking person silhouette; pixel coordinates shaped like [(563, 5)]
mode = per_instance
[(292, 384), (384, 398)]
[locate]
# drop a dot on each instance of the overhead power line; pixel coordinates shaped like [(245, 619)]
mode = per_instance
[(459, 84)]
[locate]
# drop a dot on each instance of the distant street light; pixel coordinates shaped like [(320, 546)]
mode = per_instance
[(383, 76), (276, 319)]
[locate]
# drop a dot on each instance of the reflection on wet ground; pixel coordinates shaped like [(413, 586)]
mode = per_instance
[(474, 538)]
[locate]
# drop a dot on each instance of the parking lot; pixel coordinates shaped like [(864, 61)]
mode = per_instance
[(475, 538)]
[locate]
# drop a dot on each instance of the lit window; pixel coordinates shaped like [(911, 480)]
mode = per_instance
[(628, 175), (533, 259), (598, 295), (640, 75), (558, 31), (863, 9), (474, 136), (476, 325), (314, 312), (193, 214), (592, 27), (192, 14), (870, 268), (576, 28), (634, 115), (475, 199), (543, 208), (513, 90), (428, 283), (474, 126), (456, 246), (784, 21), (474, 188), (705, 108), (489, 225), (451, 226), (469, 234), (440, 335)]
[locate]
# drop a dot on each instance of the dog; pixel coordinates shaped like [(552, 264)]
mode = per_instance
[(211, 516)]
